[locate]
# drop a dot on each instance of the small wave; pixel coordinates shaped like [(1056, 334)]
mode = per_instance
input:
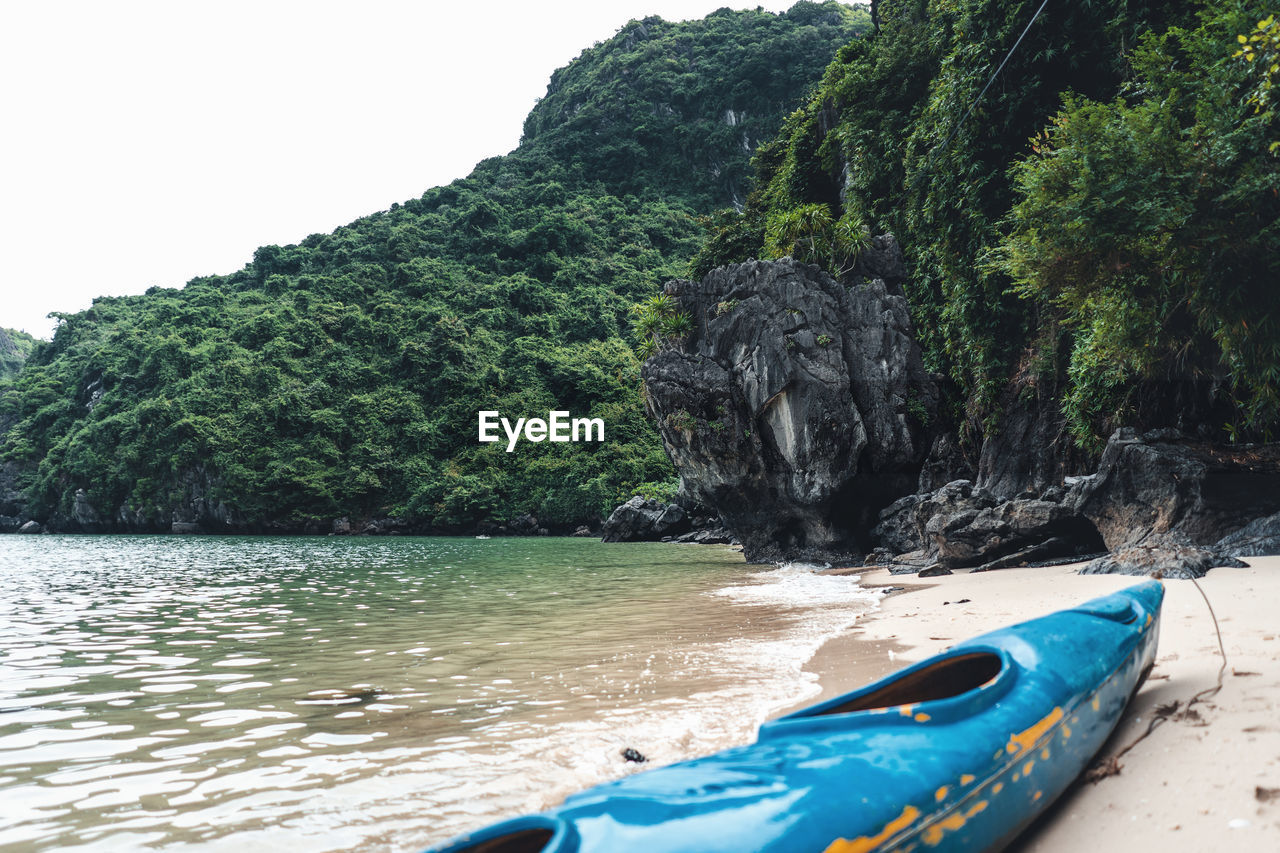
[(799, 585)]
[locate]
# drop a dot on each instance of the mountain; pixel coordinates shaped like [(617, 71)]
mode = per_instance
[(341, 377)]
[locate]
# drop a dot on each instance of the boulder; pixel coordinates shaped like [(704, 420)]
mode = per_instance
[(911, 562), (640, 520), (796, 407), (389, 526), (1162, 487), (1039, 529), (1170, 560), (900, 528), (524, 525), (582, 530), (1258, 538), (31, 527), (706, 536), (962, 525), (185, 527)]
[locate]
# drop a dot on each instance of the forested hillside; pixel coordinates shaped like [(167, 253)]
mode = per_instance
[(15, 346), (342, 376), (1094, 245)]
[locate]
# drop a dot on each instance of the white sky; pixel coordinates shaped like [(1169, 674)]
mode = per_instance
[(146, 143)]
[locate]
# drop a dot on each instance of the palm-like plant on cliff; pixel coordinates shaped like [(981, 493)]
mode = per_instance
[(810, 233), (659, 319)]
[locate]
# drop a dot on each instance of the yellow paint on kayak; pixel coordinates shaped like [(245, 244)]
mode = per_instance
[(933, 836), (941, 793), (1024, 741), (867, 843), (967, 779)]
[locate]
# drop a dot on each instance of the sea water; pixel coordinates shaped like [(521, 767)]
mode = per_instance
[(238, 693)]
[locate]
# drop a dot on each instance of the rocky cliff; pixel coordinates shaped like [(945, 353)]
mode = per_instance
[(1158, 501), (797, 407)]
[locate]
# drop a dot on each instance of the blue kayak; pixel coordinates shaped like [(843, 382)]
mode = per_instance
[(959, 752)]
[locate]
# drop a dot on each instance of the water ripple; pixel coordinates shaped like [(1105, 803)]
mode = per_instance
[(246, 692)]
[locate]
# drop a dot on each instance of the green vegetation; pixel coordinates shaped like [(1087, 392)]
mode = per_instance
[(343, 375), (1262, 47), (1111, 200), (1147, 229), (15, 348), (658, 320)]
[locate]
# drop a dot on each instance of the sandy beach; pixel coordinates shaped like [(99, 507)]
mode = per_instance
[(1204, 781)]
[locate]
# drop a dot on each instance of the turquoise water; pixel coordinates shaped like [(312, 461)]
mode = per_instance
[(327, 694)]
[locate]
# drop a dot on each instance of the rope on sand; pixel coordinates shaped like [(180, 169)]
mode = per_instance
[(1111, 766)]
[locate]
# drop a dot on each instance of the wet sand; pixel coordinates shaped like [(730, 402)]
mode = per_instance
[(1208, 781)]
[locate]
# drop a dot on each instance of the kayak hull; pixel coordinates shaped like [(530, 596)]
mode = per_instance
[(957, 753)]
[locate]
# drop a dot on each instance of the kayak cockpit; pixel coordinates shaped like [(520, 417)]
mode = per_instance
[(943, 679), (519, 841), (954, 685), (531, 834)]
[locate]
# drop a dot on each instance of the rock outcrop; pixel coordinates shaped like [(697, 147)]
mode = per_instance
[(1159, 502), (84, 515), (797, 407), (714, 535), (1171, 561), (962, 525), (1258, 538), (12, 501), (640, 520), (945, 463), (1165, 488), (1030, 449)]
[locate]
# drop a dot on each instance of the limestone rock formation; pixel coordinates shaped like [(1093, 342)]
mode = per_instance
[(640, 520), (1162, 487), (84, 515), (797, 407), (1258, 538), (1170, 560), (1031, 449), (963, 525)]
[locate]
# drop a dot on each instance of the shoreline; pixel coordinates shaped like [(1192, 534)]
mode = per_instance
[(1199, 782)]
